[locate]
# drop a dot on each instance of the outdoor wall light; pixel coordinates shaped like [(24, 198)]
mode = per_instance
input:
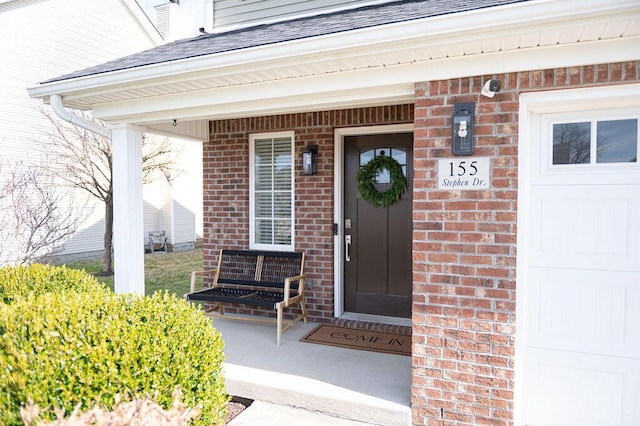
[(310, 160), (462, 128)]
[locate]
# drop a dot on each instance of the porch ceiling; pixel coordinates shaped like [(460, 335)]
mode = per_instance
[(369, 66)]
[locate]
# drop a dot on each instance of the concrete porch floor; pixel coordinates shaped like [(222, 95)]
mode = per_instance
[(363, 386)]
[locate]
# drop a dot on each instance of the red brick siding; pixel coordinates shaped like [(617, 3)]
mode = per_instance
[(464, 248), (226, 189)]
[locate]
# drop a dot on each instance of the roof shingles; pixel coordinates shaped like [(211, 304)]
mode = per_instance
[(295, 29)]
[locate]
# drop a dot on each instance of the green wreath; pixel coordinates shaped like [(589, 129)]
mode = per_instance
[(366, 177)]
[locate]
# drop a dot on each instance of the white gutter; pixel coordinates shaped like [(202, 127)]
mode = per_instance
[(59, 109)]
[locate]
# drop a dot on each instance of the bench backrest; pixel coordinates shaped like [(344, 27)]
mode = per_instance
[(259, 268)]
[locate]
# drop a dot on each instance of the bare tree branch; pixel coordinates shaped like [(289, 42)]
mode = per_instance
[(33, 216), (84, 160)]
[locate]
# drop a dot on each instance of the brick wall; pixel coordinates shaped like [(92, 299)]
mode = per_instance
[(464, 248), (226, 189)]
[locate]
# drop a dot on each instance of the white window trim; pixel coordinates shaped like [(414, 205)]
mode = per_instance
[(252, 243)]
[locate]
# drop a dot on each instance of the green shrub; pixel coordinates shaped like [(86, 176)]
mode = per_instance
[(67, 348), (136, 412), (20, 281)]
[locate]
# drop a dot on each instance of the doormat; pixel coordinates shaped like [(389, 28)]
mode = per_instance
[(355, 338)]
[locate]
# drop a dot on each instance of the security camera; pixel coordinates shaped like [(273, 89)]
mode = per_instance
[(491, 87)]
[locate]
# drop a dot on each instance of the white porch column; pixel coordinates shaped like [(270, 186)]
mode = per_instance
[(128, 238)]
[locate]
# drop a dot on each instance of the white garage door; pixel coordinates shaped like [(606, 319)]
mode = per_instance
[(581, 294)]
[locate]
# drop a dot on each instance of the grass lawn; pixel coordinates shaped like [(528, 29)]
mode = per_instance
[(162, 271)]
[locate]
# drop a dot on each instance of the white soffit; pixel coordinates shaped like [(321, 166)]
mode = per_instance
[(363, 67), (195, 130)]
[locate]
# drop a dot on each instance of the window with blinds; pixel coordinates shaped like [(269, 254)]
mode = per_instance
[(271, 195)]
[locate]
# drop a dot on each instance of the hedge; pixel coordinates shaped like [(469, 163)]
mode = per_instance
[(19, 281), (67, 347)]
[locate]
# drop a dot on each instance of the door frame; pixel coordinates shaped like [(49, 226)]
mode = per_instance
[(338, 217)]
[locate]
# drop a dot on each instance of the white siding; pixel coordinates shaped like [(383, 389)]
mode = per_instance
[(176, 207), (165, 216), (157, 199), (184, 230), (90, 237), (187, 195), (45, 39), (186, 207), (230, 13)]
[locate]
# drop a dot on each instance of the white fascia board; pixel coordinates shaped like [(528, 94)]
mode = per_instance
[(413, 34), (362, 87)]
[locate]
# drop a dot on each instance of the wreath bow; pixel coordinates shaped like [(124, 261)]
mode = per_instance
[(366, 177)]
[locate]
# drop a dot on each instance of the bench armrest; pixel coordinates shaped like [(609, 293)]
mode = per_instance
[(194, 276), (287, 286)]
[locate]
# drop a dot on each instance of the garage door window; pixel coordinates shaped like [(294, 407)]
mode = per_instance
[(595, 141)]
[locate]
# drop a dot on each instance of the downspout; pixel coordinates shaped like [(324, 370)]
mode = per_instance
[(58, 108)]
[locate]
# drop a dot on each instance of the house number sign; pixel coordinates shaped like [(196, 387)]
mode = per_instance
[(464, 173)]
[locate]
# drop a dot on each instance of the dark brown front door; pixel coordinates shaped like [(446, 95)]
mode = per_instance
[(377, 261)]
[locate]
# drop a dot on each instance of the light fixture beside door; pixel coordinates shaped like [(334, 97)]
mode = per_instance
[(462, 128), (310, 160)]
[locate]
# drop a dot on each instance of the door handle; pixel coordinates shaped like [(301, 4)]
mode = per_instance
[(347, 248)]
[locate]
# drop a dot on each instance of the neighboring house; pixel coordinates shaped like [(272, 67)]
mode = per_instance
[(232, 14), (518, 266), (50, 37)]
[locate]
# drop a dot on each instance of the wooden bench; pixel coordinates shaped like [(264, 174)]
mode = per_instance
[(259, 278)]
